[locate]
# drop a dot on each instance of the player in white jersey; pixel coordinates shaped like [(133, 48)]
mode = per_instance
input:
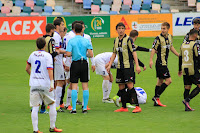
[(40, 68), (58, 69)]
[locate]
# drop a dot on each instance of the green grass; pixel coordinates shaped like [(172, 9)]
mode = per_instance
[(14, 97)]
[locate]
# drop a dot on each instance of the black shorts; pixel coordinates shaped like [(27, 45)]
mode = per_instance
[(162, 72), (125, 75), (191, 79), (79, 69)]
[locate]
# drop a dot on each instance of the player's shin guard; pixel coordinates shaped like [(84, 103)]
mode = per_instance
[(193, 94), (133, 97), (74, 98), (162, 89), (34, 117), (186, 93), (156, 91), (85, 99), (52, 115), (124, 98), (109, 89), (105, 85), (58, 95)]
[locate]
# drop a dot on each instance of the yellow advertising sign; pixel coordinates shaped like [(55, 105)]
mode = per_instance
[(148, 25)]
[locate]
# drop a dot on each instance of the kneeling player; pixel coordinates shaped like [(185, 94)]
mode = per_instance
[(42, 84), (188, 65)]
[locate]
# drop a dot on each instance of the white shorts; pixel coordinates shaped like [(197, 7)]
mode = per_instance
[(67, 75), (59, 72), (39, 94), (100, 67)]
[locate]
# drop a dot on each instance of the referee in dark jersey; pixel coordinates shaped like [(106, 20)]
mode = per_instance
[(77, 48), (125, 50), (162, 45)]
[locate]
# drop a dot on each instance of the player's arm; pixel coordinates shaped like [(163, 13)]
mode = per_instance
[(143, 49), (112, 58), (142, 65), (50, 72), (28, 68), (156, 43), (69, 49), (174, 51)]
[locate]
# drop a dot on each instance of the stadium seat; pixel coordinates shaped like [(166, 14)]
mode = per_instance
[(113, 12), (134, 12), (147, 2), (174, 10), (46, 14), (37, 9), (164, 11), (2, 15), (16, 10), (19, 3), (48, 9), (124, 12), (29, 3), (8, 4), (51, 3), (125, 8), (127, 2), (154, 11), (117, 2), (136, 8), (27, 9), (79, 1), (97, 2), (166, 6), (156, 7), (144, 11), (107, 2), (105, 8), (191, 2), (40, 3), (24, 14), (157, 1), (34, 14), (95, 9), (137, 2), (116, 8), (56, 13), (198, 6), (5, 9), (146, 7), (87, 4), (103, 12), (66, 13), (59, 9)]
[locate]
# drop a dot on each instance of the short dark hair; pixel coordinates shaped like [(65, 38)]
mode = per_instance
[(73, 24), (166, 24), (196, 21), (60, 18), (49, 27), (40, 42), (57, 22), (133, 33), (192, 32), (81, 22), (120, 24), (78, 28)]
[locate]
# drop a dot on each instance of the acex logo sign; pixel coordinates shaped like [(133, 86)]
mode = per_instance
[(22, 28)]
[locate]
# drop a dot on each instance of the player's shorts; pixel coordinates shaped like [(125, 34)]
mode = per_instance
[(162, 72), (191, 79), (79, 69), (125, 75), (100, 67), (67, 75), (39, 94), (59, 72), (141, 95)]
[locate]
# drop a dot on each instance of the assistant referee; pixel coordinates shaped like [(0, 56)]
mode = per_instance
[(77, 48)]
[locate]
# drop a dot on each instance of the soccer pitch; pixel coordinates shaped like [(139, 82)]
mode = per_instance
[(15, 116)]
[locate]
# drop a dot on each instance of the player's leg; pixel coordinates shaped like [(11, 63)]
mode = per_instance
[(68, 99), (58, 94), (85, 96), (106, 89), (34, 117), (63, 94)]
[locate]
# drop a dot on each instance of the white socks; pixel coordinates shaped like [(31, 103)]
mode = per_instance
[(68, 101), (105, 86), (34, 117), (52, 115), (109, 89), (58, 95)]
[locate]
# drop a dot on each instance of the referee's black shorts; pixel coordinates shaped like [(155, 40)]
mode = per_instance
[(79, 69)]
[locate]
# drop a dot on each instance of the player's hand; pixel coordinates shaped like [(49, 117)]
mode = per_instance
[(93, 68), (144, 68), (138, 70), (108, 69), (51, 89), (151, 64), (180, 73)]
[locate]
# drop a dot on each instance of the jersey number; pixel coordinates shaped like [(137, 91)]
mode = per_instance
[(186, 58), (38, 66)]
